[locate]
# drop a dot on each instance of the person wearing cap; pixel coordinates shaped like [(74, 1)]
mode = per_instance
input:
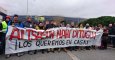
[(3, 29), (8, 21)]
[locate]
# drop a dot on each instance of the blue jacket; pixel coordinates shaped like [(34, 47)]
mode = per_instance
[(18, 24)]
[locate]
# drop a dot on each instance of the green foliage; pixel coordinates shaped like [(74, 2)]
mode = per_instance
[(104, 20)]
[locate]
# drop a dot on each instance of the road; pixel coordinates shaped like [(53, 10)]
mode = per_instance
[(97, 54)]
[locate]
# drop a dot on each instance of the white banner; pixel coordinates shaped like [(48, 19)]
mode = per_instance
[(20, 39)]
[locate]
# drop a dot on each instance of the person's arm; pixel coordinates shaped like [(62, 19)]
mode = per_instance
[(9, 23), (24, 24), (21, 25), (0, 27), (12, 24)]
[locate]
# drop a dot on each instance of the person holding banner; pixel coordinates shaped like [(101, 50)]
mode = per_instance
[(87, 27), (81, 26), (41, 27), (69, 48), (29, 24), (48, 26), (16, 22), (72, 47)]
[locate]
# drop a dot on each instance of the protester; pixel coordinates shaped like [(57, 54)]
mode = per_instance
[(49, 25), (8, 21), (62, 24), (68, 25), (16, 22), (76, 26), (3, 30), (110, 33), (28, 23), (36, 26), (72, 24), (72, 47), (1, 52), (104, 38), (81, 27), (113, 33), (87, 27), (41, 26)]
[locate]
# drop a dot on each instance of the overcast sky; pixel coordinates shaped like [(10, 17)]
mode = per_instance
[(68, 8)]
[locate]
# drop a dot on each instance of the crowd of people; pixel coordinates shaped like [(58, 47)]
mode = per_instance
[(28, 23)]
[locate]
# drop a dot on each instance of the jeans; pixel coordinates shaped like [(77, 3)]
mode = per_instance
[(113, 41), (2, 40)]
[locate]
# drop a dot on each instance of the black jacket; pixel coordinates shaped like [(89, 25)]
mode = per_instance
[(113, 30), (28, 24), (48, 26), (0, 30)]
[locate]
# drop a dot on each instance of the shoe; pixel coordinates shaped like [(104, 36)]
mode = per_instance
[(113, 46), (53, 51), (1, 53), (47, 51), (88, 49), (75, 49), (31, 52), (42, 52)]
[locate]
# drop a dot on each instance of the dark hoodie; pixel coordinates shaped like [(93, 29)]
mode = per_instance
[(113, 30)]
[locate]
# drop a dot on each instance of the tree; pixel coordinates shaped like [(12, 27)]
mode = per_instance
[(104, 20)]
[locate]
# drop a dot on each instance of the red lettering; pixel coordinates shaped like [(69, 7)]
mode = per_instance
[(82, 34), (75, 34), (51, 34), (59, 34), (39, 35), (22, 34), (15, 34), (68, 33), (29, 32), (34, 34), (63, 33)]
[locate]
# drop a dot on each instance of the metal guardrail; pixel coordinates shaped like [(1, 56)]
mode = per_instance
[(111, 35)]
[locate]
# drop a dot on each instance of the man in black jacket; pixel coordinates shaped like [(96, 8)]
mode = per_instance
[(113, 33), (110, 33), (0, 39)]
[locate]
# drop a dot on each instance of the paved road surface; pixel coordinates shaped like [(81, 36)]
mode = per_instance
[(108, 54)]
